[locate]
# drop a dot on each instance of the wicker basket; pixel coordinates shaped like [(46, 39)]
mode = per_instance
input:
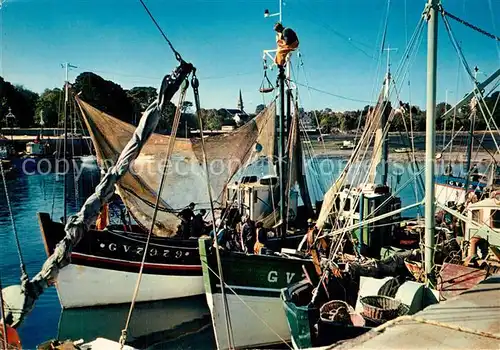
[(380, 307), (416, 270), (336, 311)]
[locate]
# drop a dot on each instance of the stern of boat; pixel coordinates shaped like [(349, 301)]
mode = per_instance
[(52, 232)]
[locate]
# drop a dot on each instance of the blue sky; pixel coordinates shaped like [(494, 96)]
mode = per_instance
[(224, 39)]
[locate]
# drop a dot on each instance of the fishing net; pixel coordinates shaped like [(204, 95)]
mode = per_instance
[(186, 179)]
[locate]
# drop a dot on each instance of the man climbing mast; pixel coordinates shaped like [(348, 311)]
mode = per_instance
[(287, 41)]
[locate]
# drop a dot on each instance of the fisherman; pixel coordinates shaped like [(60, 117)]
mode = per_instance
[(310, 224), (221, 232), (247, 235), (186, 215), (199, 225), (315, 246), (103, 218), (261, 238), (287, 41)]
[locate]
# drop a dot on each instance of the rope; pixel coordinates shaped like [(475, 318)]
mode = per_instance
[(170, 148), (332, 94), (435, 323), (467, 24), (195, 83), (457, 47), (176, 54), (322, 139), (2, 314), (24, 274)]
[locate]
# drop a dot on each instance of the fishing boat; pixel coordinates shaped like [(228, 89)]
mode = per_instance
[(323, 314), (402, 150), (253, 282), (347, 145), (457, 188)]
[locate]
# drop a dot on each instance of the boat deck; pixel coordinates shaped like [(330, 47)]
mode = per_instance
[(470, 320)]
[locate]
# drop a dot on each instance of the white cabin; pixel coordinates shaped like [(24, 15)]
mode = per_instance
[(485, 213), (35, 149), (255, 197)]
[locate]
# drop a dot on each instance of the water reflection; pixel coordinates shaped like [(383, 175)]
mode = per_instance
[(159, 324)]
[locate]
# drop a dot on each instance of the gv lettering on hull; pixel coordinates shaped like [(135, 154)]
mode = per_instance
[(152, 252), (273, 277)]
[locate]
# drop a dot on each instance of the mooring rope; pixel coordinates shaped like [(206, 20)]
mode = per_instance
[(435, 323), (24, 274)]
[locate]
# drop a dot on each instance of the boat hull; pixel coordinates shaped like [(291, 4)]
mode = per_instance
[(105, 264), (452, 189), (77, 286), (253, 286)]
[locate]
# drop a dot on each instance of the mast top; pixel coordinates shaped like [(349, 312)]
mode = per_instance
[(387, 80), (280, 13)]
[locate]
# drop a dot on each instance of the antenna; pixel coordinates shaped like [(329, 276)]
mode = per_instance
[(67, 66), (389, 49), (280, 13), (388, 74)]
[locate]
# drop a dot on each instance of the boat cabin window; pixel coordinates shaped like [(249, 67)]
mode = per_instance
[(269, 181), (337, 204), (248, 179), (495, 219), (347, 204), (476, 215)]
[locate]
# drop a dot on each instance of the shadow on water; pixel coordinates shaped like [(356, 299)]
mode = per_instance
[(155, 325)]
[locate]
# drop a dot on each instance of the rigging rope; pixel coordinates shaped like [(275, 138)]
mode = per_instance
[(176, 54), (195, 83), (24, 274), (170, 148), (332, 94), (467, 24)]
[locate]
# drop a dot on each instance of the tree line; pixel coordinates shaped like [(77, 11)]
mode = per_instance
[(31, 108)]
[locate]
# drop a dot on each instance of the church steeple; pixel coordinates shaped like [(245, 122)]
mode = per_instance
[(240, 102)]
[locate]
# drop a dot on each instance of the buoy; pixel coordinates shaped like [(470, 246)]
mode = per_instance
[(13, 340)]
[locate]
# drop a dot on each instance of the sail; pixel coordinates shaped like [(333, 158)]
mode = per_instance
[(186, 177), (294, 174), (371, 126)]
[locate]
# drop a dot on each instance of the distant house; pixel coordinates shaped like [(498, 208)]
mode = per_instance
[(239, 116), (307, 121)]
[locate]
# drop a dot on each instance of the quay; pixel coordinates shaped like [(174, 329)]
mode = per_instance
[(467, 321)]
